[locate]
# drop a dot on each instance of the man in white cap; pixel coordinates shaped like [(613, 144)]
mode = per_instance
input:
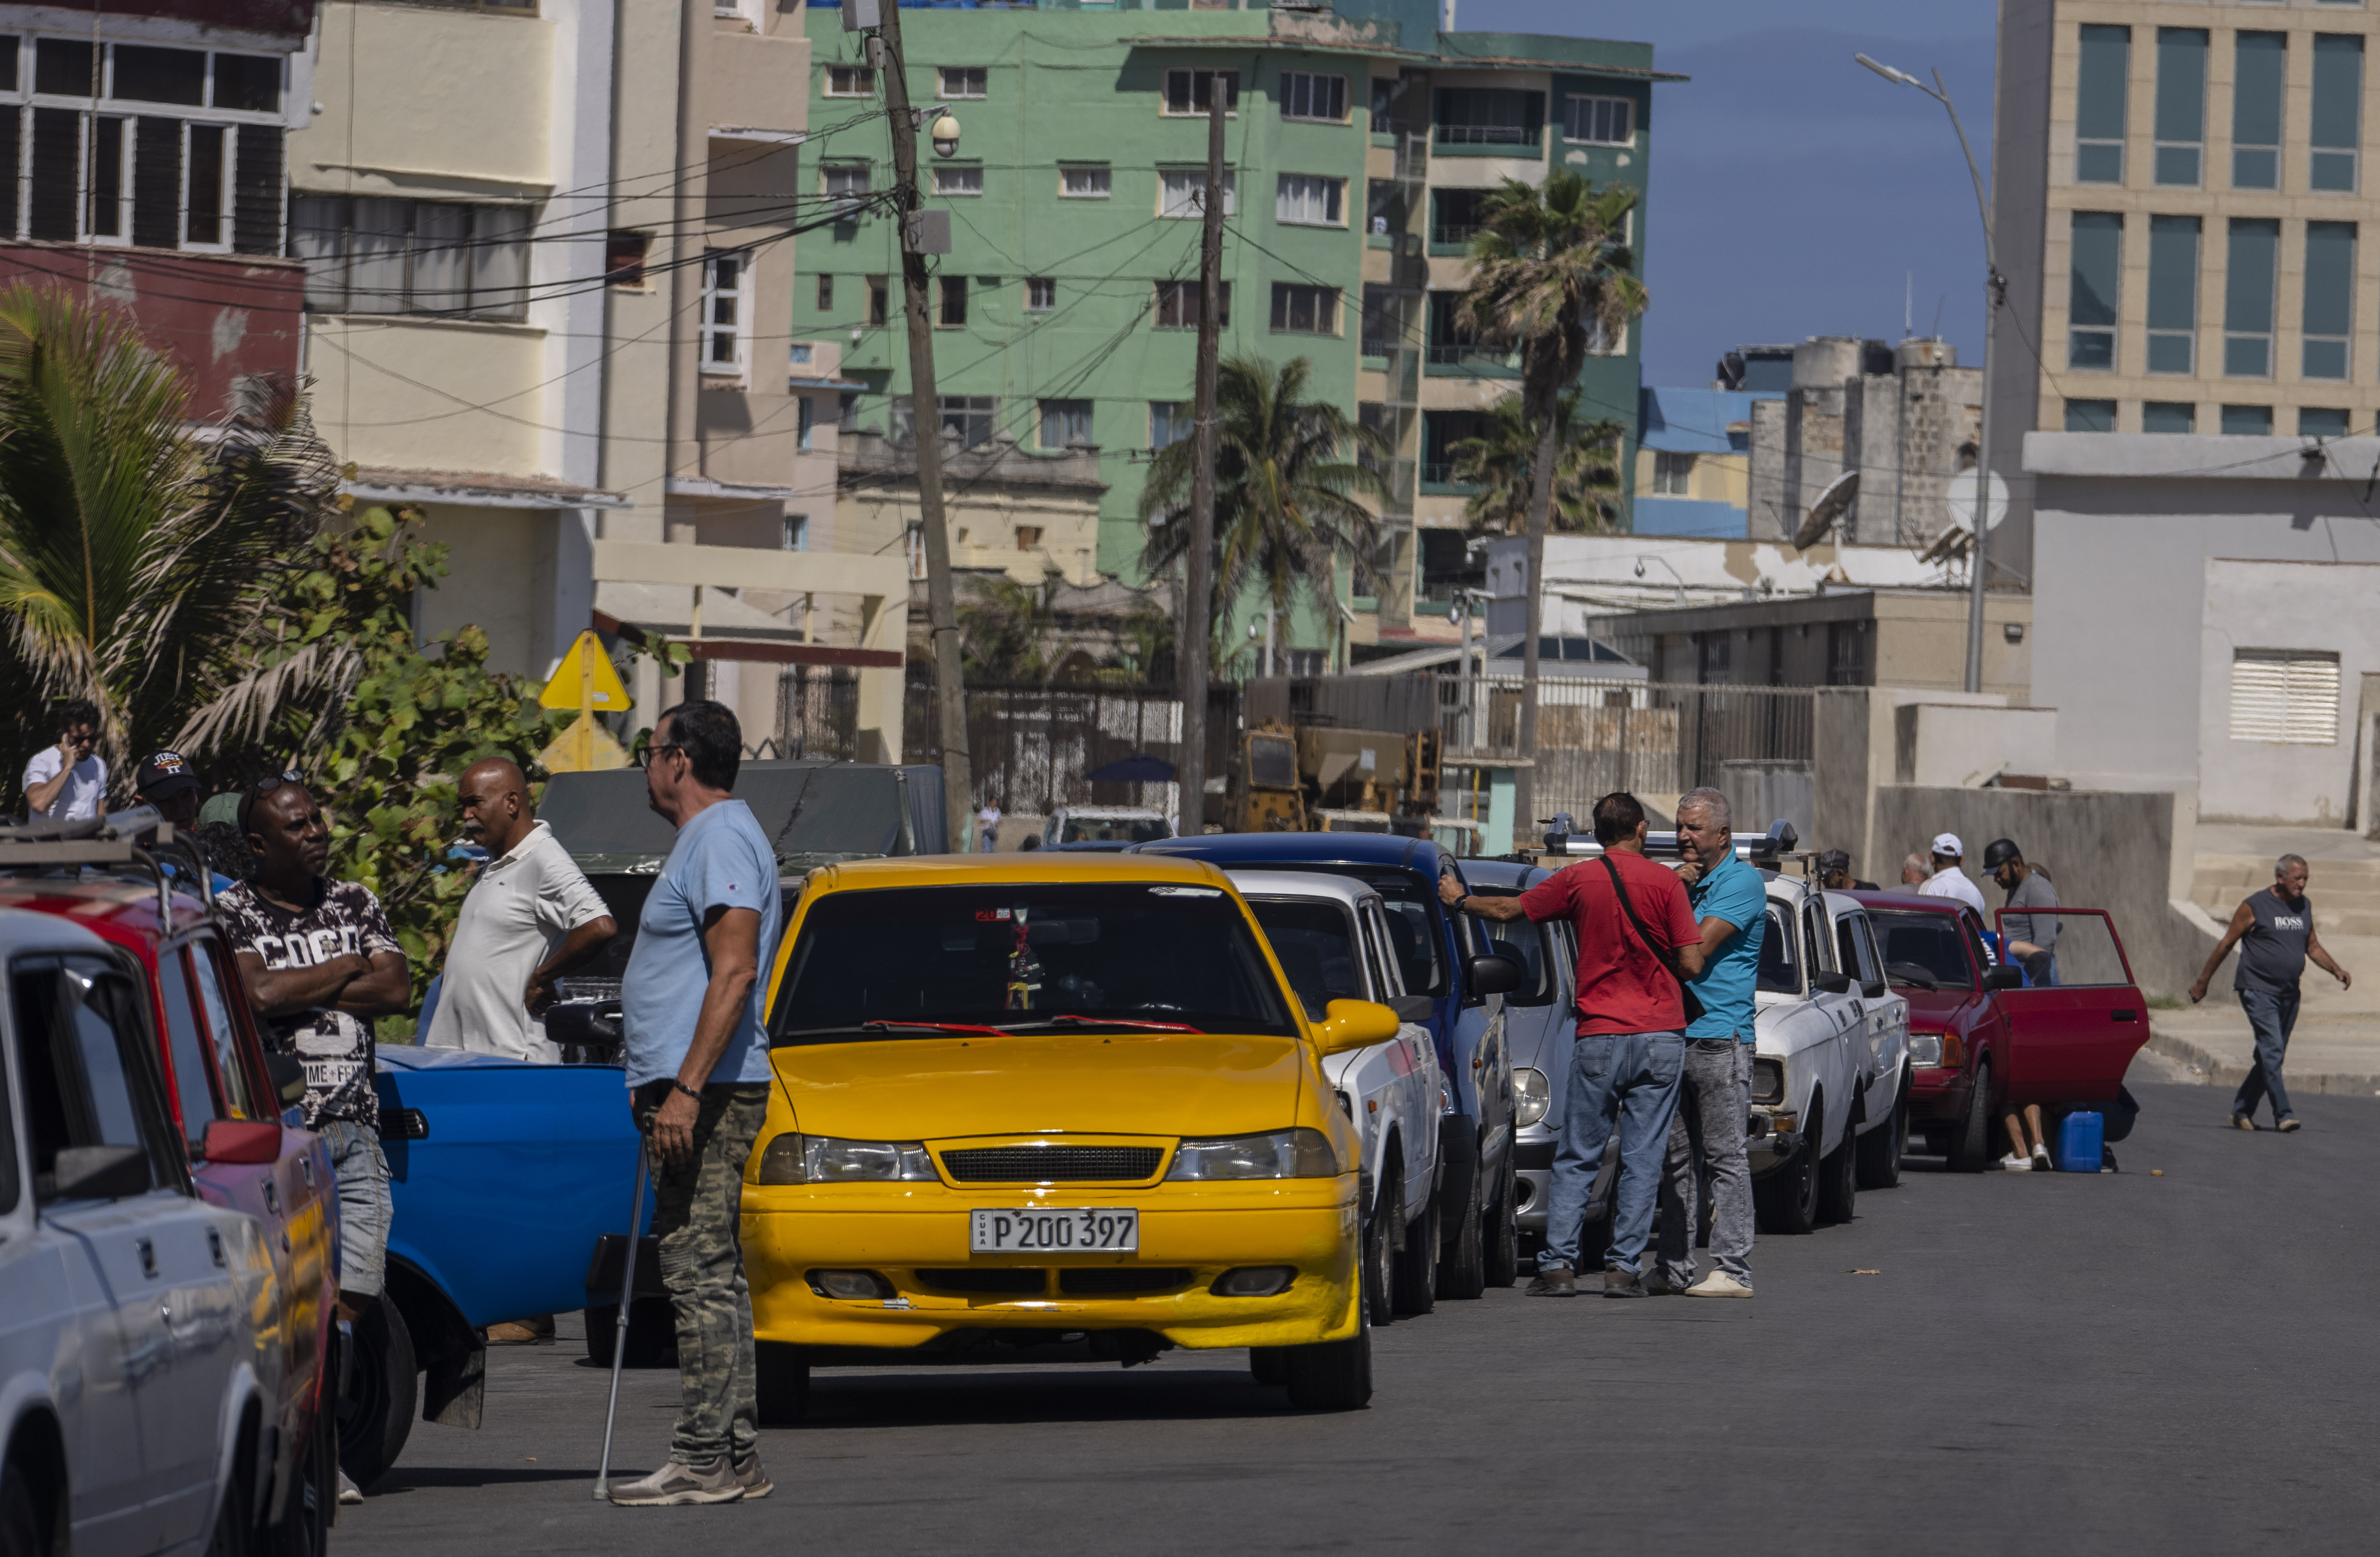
[(1948, 880)]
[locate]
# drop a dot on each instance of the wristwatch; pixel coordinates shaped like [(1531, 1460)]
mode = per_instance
[(1463, 904)]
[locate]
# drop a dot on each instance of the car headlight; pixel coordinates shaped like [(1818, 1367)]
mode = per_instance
[(1767, 1081), (792, 1158), (1532, 1095), (1299, 1153), (1924, 1050)]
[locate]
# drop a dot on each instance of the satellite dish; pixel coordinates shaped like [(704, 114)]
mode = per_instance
[(1961, 499), (1832, 504)]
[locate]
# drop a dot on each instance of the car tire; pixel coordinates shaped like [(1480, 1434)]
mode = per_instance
[(383, 1389), (784, 1382), (1270, 1365), (304, 1528), (1787, 1200), (1381, 1252), (1970, 1141), (1413, 1272), (1462, 1261), (1503, 1263), (1333, 1375), (1839, 1180), (1880, 1150), (25, 1526)]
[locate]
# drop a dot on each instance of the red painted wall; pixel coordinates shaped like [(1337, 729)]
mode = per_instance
[(218, 316)]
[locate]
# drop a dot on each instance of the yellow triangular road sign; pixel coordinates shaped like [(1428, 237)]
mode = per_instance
[(584, 680), (585, 748)]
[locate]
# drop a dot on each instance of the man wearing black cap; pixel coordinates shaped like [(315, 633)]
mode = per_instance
[(2032, 937), (1835, 874), (163, 779)]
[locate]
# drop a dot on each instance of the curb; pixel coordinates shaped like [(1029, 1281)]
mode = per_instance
[(2226, 1073)]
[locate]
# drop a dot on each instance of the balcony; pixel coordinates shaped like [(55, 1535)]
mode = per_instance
[(1472, 360), (1452, 237), (1437, 481), (1378, 347)]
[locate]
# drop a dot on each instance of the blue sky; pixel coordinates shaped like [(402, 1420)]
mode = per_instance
[(1793, 193)]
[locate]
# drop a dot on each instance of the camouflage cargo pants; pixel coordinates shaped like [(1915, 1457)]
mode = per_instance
[(697, 1204)]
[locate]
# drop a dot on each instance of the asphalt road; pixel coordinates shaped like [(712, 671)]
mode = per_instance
[(2035, 1363)]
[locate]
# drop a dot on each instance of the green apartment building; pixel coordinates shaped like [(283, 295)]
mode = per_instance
[(1358, 149)]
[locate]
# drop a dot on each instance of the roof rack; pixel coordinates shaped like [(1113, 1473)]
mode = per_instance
[(1771, 849), (137, 837)]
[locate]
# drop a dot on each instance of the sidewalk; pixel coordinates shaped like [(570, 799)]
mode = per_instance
[(2335, 1052)]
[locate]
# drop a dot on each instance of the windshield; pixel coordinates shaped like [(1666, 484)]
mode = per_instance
[(1925, 950), (903, 962), (1315, 946), (1114, 830)]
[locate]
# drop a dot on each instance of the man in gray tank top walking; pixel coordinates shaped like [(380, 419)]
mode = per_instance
[(2275, 930)]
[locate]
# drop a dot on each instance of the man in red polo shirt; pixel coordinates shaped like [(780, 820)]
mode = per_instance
[(1631, 1044)]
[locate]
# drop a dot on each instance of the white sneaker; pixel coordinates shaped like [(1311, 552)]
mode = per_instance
[(2041, 1162), (2017, 1164), (348, 1492), (675, 1484), (1719, 1283)]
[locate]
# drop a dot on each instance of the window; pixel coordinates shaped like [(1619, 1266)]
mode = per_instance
[(1028, 538), (192, 1090), (850, 81), (879, 298), (2168, 416), (1305, 96), (2288, 695), (623, 259), (1169, 421), (846, 189), (1188, 91), (962, 81), (2337, 112), (2173, 294), (800, 353), (1599, 121), (723, 314), (240, 1099), (2087, 415), (2261, 64), (2247, 421), (971, 419), (2330, 299), (913, 546), (2248, 297), (86, 1077), (1041, 294), (2322, 422), (1177, 304), (1309, 199), (1065, 424), (2180, 103), (1305, 310), (1673, 474), (1084, 181), (2097, 265), (1182, 192), (1454, 215), (954, 309), (1306, 661), (805, 427), (1488, 116), (825, 293), (369, 255), (958, 180)]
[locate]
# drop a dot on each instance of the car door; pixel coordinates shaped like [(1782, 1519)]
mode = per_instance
[(1415, 1060), (1886, 1025), (2071, 1042), (1843, 1071)]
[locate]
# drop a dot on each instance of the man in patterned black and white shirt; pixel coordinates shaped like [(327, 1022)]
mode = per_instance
[(320, 963)]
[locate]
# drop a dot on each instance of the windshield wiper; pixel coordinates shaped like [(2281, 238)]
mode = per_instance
[(880, 1024), (1070, 1020)]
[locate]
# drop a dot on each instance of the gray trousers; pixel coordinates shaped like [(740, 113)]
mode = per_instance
[(1713, 1105)]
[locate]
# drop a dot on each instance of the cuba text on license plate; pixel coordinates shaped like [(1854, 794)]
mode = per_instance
[(1055, 1231)]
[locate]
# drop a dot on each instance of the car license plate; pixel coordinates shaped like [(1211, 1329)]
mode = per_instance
[(1055, 1231)]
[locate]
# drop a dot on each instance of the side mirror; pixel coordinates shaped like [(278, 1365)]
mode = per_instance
[(101, 1172), (1874, 991), (1491, 975), (242, 1141), (2004, 977), (1832, 983), (1411, 1008), (289, 1073), (1353, 1024)]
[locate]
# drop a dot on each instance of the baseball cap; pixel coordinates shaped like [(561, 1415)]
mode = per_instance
[(1947, 844), (163, 773), (1834, 859), (1999, 851), (221, 807)]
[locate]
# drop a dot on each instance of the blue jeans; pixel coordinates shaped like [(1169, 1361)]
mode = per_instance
[(2272, 1012), (364, 1207), (1628, 1078)]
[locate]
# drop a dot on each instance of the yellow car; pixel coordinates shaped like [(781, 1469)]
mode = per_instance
[(1070, 1100)]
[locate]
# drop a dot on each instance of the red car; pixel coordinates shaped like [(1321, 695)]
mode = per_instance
[(1981, 1042), (228, 1101)]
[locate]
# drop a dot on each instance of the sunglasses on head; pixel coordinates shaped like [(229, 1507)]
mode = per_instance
[(263, 786)]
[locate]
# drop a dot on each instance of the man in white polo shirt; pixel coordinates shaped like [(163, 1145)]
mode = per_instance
[(1948, 880), (69, 780), (531, 917)]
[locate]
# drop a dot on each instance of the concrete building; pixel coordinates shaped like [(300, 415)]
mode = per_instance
[(1589, 577), (1911, 638), (1693, 463), (1905, 418), (145, 143)]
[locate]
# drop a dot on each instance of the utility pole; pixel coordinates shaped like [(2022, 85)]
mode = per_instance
[(926, 427), (1194, 634)]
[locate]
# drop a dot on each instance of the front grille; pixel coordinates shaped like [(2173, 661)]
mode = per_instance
[(1053, 1164), (1121, 1281), (1008, 1280)]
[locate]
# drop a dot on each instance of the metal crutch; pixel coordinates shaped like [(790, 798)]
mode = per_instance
[(620, 1332)]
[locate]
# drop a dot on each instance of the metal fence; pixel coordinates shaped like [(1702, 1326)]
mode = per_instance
[(1033, 748), (818, 714)]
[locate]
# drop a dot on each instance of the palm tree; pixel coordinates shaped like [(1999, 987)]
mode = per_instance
[(1501, 462), (136, 560), (1551, 270), (1009, 632), (1287, 496)]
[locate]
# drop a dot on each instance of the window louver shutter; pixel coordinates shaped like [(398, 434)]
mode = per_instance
[(2285, 697)]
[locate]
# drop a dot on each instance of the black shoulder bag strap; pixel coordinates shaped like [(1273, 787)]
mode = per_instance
[(1666, 958)]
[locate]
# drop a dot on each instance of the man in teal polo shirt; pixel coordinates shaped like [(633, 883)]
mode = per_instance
[(1729, 901)]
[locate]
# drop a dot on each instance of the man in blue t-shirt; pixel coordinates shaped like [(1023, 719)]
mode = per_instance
[(1729, 900), (698, 1062)]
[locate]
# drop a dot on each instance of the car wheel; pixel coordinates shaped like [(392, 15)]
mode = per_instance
[(1838, 1179), (1333, 1375), (784, 1382), (1970, 1142), (1787, 1200), (1503, 1266), (1880, 1152), (1462, 1262), (304, 1529), (1412, 1280), (1380, 1253), (26, 1526), (383, 1386), (1269, 1364)]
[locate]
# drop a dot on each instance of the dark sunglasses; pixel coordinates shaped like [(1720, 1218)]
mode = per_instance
[(263, 786)]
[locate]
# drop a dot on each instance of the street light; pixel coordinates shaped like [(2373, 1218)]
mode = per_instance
[(1994, 294)]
